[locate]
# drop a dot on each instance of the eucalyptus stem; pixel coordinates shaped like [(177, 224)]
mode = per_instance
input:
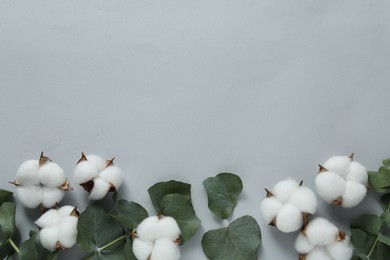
[(113, 242), (13, 245)]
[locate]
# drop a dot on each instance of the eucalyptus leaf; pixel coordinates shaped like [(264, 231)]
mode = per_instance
[(369, 223), (6, 248), (96, 229), (128, 250), (129, 214), (158, 191), (7, 220), (5, 196), (385, 202), (380, 252), (222, 193), (380, 180), (240, 240), (384, 239), (386, 162), (362, 241), (177, 206), (385, 218), (32, 249)]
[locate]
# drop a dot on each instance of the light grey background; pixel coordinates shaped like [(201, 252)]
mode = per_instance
[(186, 89)]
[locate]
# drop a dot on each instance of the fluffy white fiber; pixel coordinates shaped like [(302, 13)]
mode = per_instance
[(85, 171), (284, 189), (167, 227), (304, 199), (357, 173), (340, 250), (51, 175), (100, 189), (330, 186), (146, 229), (98, 161), (270, 208), (51, 196), (27, 174), (49, 237), (354, 194), (321, 232), (29, 196), (338, 165), (289, 219), (165, 249), (303, 245), (319, 253), (142, 249), (113, 175), (67, 231)]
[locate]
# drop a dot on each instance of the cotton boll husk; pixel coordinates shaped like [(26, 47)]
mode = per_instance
[(270, 207), (49, 237), (304, 199), (51, 196), (338, 165), (357, 173), (147, 228), (51, 175), (85, 171), (113, 175), (141, 249), (319, 253), (27, 174), (165, 249), (49, 219), (340, 250), (65, 211), (302, 244), (99, 190), (29, 196), (167, 227), (354, 194), (284, 189), (289, 219), (98, 161), (67, 231), (321, 232), (329, 186)]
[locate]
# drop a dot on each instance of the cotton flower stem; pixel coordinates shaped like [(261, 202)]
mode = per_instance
[(13, 245), (113, 242)]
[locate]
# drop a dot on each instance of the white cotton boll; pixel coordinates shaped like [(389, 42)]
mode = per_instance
[(85, 171), (98, 161), (340, 250), (354, 194), (338, 165), (113, 175), (51, 196), (147, 228), (49, 237), (141, 249), (49, 219), (357, 173), (270, 207), (302, 244), (321, 232), (289, 219), (330, 186), (319, 253), (167, 227), (67, 231), (165, 249), (99, 190), (304, 199), (29, 196), (65, 211), (51, 175), (284, 189), (27, 174)]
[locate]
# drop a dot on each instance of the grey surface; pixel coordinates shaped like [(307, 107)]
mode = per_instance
[(187, 89)]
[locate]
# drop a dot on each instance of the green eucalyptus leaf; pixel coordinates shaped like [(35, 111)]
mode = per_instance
[(380, 180), (5, 196), (129, 214), (384, 239), (158, 191), (6, 248), (222, 193), (386, 162), (385, 202), (380, 252), (385, 218), (96, 228), (178, 207), (128, 250), (240, 240), (362, 241), (32, 249), (369, 223), (7, 220)]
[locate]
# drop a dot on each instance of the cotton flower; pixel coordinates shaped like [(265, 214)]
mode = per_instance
[(288, 205), (58, 228), (342, 181), (97, 176), (40, 183), (321, 240), (157, 238)]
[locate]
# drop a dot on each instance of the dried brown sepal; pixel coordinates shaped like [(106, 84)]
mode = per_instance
[(305, 217), (273, 222), (134, 235), (341, 236), (74, 213), (42, 208), (322, 169), (110, 162), (351, 156), (65, 186), (301, 183), (14, 183), (178, 241), (43, 160), (302, 257), (112, 188), (82, 159), (88, 186), (269, 193), (59, 246), (338, 201)]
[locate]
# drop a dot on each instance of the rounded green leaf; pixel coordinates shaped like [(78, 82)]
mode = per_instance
[(129, 214), (7, 220), (178, 207), (158, 191), (222, 193), (32, 249), (369, 223), (240, 240), (96, 228), (5, 196)]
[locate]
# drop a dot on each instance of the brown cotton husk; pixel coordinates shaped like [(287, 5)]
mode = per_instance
[(322, 169), (65, 186), (269, 193), (43, 160), (338, 201), (110, 162), (88, 186), (83, 158), (302, 257)]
